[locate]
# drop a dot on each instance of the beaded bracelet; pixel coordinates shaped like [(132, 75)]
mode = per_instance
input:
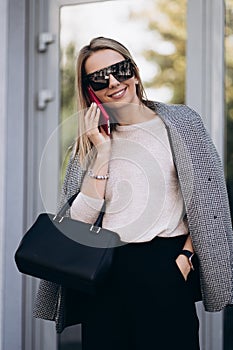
[(98, 177)]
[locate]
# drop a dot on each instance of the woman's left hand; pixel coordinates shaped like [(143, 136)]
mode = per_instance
[(184, 266)]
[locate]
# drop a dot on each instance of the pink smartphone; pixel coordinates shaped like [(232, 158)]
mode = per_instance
[(104, 117)]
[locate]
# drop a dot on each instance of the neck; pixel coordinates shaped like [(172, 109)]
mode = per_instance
[(133, 113)]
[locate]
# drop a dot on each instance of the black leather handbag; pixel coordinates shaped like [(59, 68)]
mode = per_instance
[(66, 251)]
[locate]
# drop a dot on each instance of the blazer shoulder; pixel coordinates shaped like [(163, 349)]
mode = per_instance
[(186, 111), (179, 112)]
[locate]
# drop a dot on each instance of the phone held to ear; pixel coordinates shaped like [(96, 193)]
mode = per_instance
[(104, 117)]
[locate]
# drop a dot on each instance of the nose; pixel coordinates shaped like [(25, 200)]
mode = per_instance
[(113, 82)]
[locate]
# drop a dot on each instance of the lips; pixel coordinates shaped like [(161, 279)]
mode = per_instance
[(118, 94)]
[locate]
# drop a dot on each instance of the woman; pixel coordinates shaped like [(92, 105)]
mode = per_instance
[(162, 181)]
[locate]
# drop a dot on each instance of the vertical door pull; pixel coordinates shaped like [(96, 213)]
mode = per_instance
[(44, 40)]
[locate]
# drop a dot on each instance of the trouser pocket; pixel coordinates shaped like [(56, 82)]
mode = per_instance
[(193, 281)]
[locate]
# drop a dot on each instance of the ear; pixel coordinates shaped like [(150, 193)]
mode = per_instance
[(136, 81)]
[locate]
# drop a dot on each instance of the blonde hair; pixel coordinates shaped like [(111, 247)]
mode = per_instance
[(83, 144)]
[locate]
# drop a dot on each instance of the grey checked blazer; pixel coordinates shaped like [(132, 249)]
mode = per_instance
[(202, 182)]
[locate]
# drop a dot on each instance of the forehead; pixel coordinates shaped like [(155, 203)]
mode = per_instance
[(102, 59)]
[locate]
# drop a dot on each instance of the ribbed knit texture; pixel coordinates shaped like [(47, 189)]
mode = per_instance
[(143, 197)]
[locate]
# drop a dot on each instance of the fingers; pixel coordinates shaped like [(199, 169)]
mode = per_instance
[(95, 135), (94, 110), (92, 119), (93, 114)]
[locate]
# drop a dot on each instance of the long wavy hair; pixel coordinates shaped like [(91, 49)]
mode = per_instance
[(83, 144)]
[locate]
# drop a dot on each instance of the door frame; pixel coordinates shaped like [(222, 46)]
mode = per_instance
[(204, 81)]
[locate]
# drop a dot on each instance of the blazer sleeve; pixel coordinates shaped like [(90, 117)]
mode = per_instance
[(73, 179)]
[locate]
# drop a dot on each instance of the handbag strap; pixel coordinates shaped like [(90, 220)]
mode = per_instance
[(67, 205)]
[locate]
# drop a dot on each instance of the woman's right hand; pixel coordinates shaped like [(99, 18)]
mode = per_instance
[(99, 138), (102, 142)]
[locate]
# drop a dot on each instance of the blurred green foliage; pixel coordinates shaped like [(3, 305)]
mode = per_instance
[(67, 91), (167, 19), (68, 104)]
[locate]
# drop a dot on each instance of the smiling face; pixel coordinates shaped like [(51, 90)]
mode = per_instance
[(117, 93)]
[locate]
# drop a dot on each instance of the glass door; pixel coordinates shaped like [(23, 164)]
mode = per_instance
[(155, 33)]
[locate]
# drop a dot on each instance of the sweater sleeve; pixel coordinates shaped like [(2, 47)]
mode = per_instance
[(85, 208)]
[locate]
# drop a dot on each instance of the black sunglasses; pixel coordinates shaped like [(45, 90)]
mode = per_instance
[(121, 71)]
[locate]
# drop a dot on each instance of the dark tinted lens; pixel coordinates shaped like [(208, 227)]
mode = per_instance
[(123, 71), (98, 85)]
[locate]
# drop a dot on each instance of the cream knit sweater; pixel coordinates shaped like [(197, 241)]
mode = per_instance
[(143, 197)]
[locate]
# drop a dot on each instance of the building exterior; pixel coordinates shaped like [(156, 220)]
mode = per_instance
[(29, 112)]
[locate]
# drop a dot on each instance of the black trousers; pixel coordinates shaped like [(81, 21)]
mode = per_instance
[(146, 303)]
